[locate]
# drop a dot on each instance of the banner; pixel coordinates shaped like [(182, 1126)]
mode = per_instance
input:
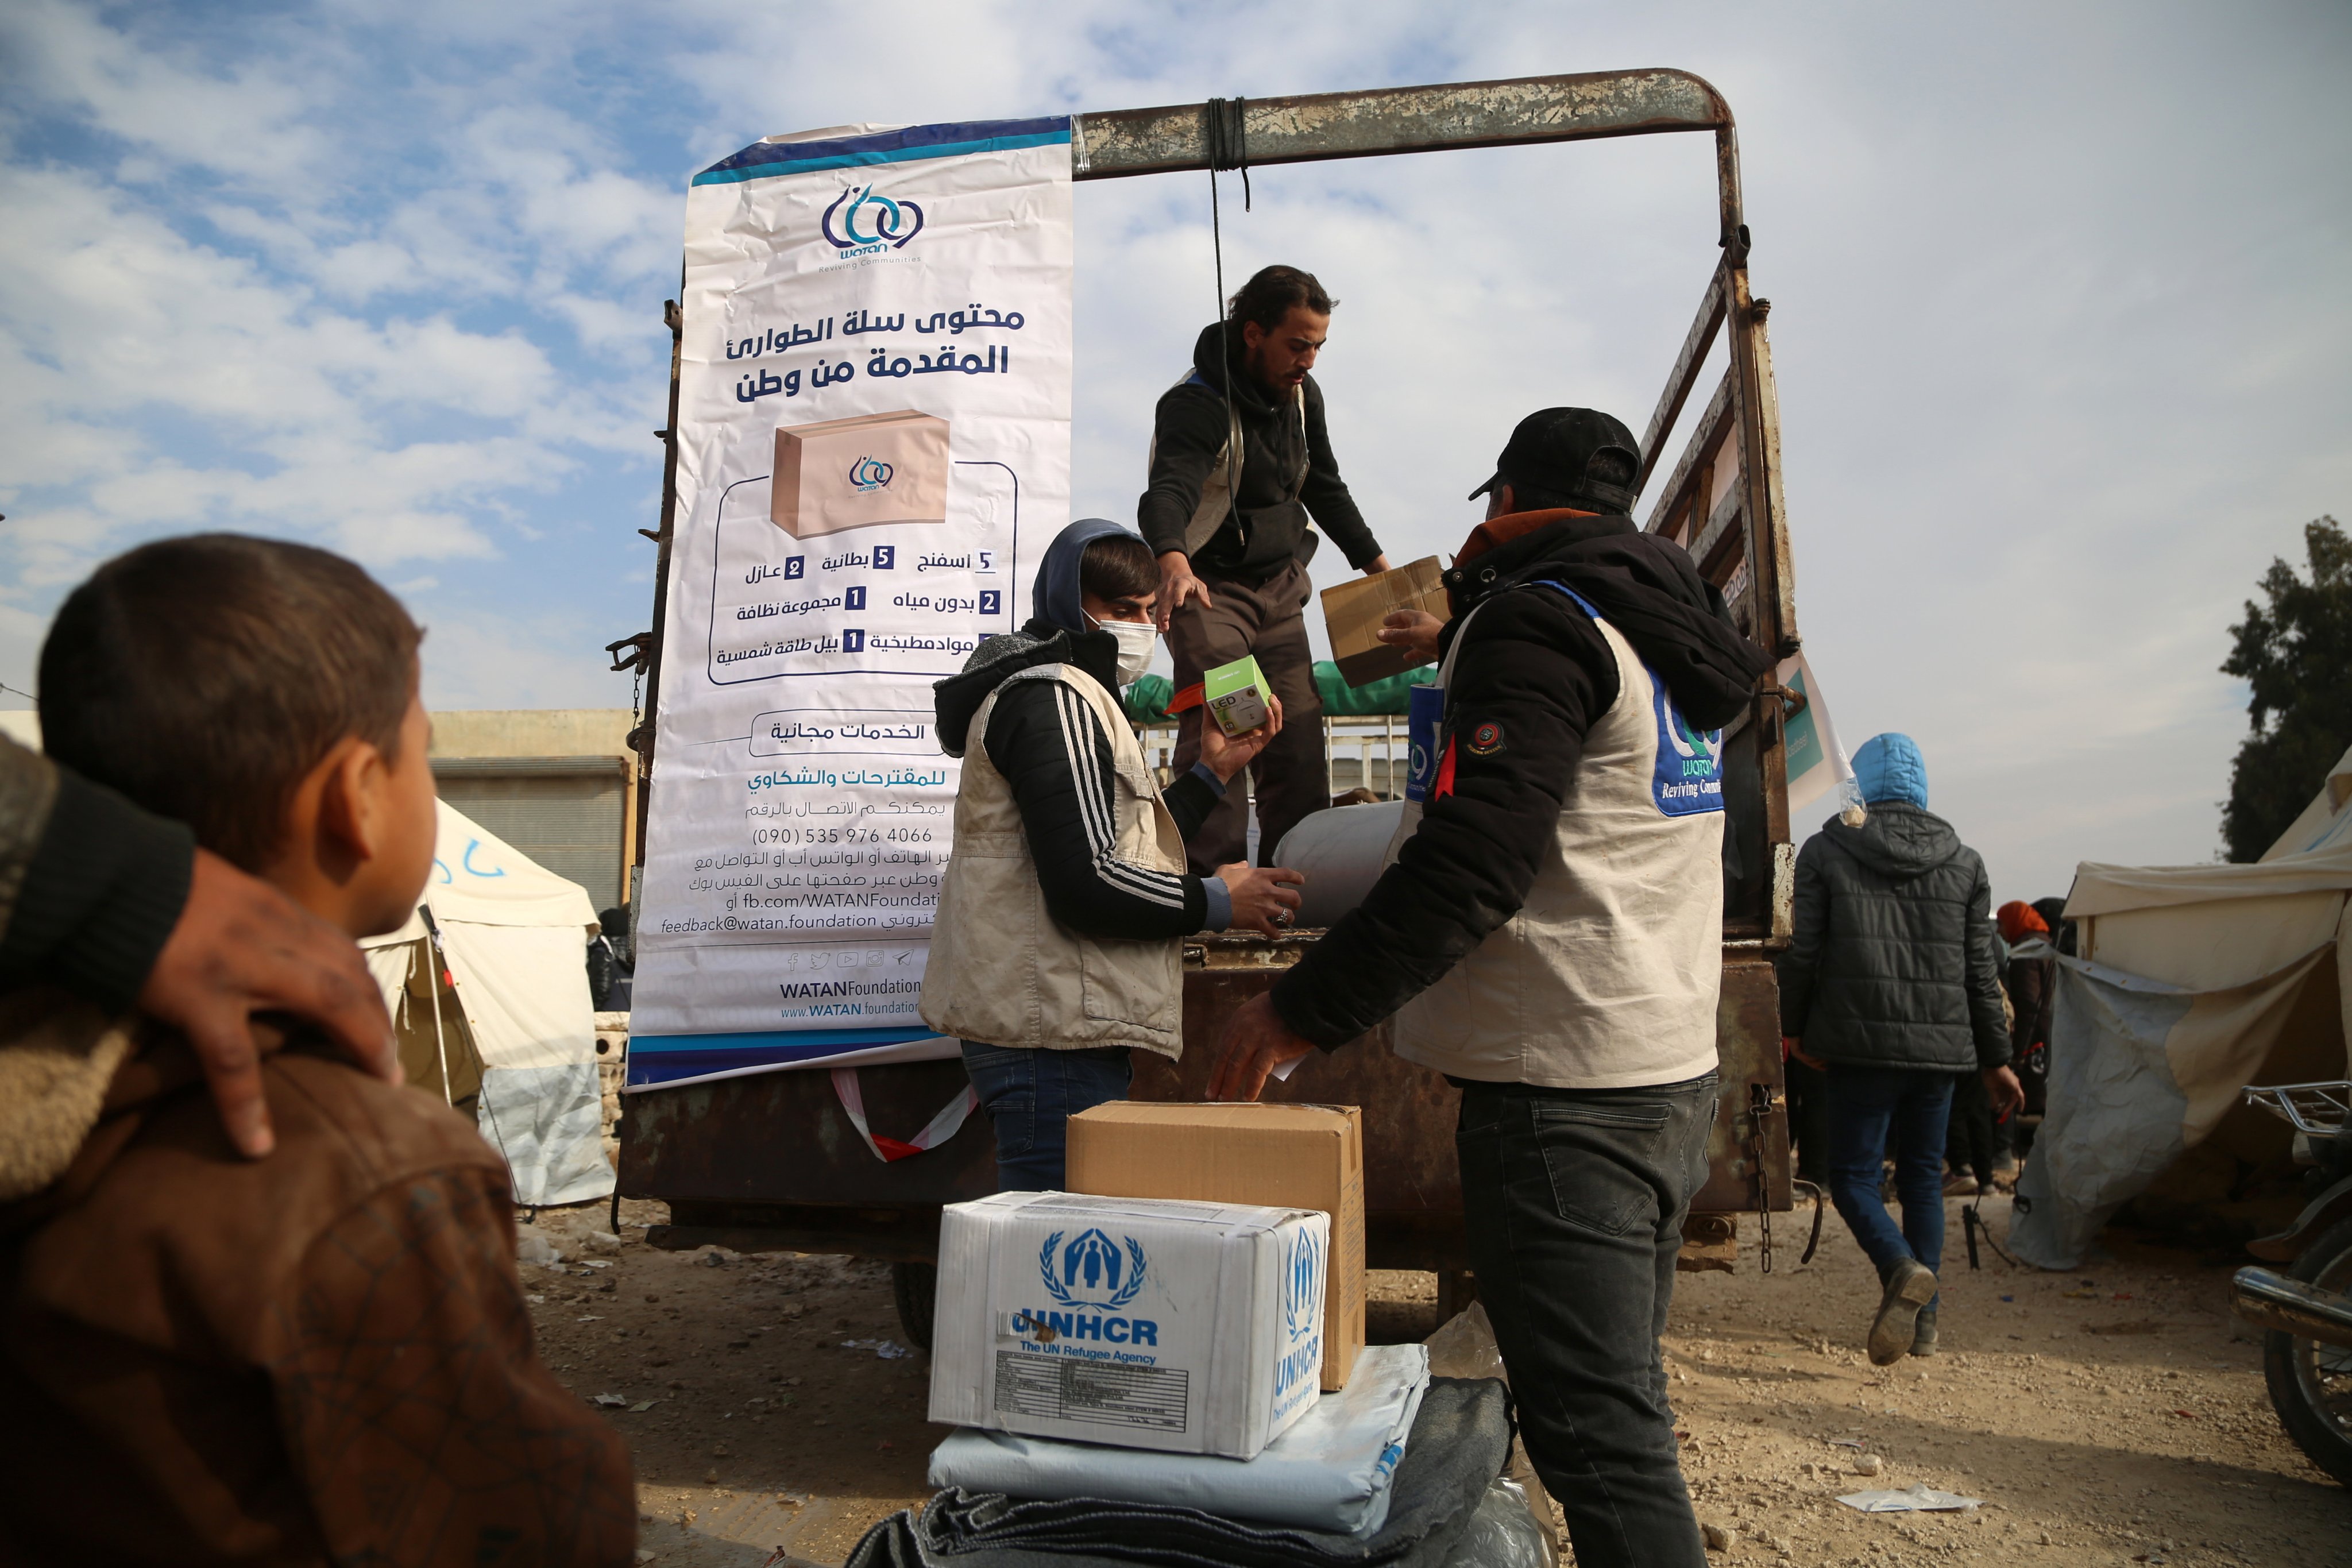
[(873, 450), (1818, 764)]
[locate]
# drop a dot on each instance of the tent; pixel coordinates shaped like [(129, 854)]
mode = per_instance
[(506, 1017), (2191, 982)]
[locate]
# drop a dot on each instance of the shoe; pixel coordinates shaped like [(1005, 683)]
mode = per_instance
[(1923, 1337), (1960, 1186), (1984, 1189), (1910, 1286)]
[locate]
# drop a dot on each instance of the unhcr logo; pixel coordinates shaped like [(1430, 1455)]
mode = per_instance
[(1091, 1270), (1305, 1284)]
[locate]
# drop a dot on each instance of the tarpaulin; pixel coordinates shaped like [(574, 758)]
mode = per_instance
[(1331, 1471)]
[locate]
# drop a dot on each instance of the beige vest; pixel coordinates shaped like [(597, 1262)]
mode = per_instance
[(1002, 970), (1606, 978)]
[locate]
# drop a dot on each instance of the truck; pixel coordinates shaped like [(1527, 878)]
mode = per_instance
[(773, 1162)]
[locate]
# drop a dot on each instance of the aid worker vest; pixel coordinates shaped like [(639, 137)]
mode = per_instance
[(1002, 970), (1608, 975)]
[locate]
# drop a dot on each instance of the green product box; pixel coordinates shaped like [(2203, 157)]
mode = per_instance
[(1236, 694)]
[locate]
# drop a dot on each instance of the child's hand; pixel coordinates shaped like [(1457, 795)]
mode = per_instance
[(241, 947)]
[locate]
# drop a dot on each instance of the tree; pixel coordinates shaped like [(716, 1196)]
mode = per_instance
[(2297, 656)]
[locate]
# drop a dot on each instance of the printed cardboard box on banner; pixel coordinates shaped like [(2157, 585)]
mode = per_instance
[(1296, 1156), (855, 473), (1189, 1328), (1353, 610)]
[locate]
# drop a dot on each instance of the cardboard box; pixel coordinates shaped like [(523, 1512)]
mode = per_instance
[(1235, 695), (1300, 1156), (1188, 1328), (855, 473), (1353, 613)]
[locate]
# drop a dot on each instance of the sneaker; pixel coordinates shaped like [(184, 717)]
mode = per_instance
[(1960, 1186), (1909, 1286), (1923, 1337)]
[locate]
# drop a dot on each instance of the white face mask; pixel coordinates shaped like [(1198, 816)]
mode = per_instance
[(1136, 641)]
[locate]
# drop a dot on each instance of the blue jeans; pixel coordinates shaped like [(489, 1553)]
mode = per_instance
[(1030, 1097), (1573, 1203), (1869, 1109)]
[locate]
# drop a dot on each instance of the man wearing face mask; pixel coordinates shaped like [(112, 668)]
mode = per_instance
[(1057, 943)]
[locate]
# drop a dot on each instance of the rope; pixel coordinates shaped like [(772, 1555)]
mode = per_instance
[(1228, 149), (1228, 141)]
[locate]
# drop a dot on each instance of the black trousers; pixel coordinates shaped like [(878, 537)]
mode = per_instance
[(1973, 1139), (1291, 779), (1574, 1202), (1808, 1120)]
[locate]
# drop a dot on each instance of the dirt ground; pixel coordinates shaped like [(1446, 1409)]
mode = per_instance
[(2112, 1415)]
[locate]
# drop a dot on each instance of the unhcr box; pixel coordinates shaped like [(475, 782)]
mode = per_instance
[(855, 473), (1193, 1328)]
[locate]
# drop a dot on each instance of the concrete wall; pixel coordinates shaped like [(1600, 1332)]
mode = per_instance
[(476, 732), (531, 733)]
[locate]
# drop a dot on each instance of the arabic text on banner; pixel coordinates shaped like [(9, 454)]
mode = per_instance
[(874, 438)]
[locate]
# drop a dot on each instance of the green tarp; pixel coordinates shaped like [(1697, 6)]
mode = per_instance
[(1147, 699)]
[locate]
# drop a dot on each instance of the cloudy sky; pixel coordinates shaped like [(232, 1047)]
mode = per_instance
[(2059, 315)]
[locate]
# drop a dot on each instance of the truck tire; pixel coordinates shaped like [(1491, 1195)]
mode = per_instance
[(914, 1286), (2311, 1383)]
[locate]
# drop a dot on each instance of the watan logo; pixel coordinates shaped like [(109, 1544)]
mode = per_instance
[(1091, 1270), (893, 223), (868, 474), (1688, 778), (1306, 1282)]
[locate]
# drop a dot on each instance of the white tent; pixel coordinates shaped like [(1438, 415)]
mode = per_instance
[(2190, 982), (516, 938)]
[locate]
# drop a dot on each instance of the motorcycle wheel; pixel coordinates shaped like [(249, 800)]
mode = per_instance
[(2310, 1382)]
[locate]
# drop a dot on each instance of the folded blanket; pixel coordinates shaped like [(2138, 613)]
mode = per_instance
[(1330, 1471), (1458, 1443)]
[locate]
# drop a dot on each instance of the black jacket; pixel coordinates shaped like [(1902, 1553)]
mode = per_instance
[(1055, 754), (1535, 666), (1893, 964), (1189, 430)]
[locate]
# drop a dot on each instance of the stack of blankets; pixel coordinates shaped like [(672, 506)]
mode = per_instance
[(1390, 1472)]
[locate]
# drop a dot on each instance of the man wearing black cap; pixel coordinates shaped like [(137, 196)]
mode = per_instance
[(1548, 936)]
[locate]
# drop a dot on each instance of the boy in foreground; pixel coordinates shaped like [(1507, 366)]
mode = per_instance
[(324, 1354)]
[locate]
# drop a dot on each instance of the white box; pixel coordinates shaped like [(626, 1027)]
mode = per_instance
[(1191, 1328), (855, 473)]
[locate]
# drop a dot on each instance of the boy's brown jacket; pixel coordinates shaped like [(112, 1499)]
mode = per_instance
[(322, 1355)]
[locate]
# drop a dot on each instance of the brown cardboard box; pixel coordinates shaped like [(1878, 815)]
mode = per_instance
[(855, 473), (1295, 1156), (1353, 611)]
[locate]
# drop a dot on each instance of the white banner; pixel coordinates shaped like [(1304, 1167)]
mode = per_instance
[(874, 449), (1817, 764)]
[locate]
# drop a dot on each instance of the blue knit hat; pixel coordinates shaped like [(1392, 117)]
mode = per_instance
[(1889, 767)]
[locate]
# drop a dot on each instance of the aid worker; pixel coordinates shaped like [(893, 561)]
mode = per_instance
[(1548, 936), (1234, 546), (1057, 942)]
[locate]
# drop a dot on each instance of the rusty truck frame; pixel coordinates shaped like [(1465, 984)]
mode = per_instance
[(771, 1163)]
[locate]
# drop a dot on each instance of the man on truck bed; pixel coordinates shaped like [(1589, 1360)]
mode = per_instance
[(1548, 936), (1234, 552), (1058, 941)]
